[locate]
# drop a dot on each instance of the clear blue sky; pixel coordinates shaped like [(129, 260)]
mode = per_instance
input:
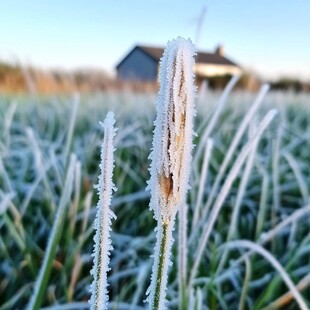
[(270, 36)]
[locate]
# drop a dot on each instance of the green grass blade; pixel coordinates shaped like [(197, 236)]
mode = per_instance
[(50, 252), (76, 101)]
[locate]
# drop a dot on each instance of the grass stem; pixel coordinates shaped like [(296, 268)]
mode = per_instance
[(161, 264)]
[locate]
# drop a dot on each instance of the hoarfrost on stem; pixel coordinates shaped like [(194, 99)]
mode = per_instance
[(102, 241), (170, 156)]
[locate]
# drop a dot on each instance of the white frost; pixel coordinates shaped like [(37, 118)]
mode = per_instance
[(102, 241), (172, 142)]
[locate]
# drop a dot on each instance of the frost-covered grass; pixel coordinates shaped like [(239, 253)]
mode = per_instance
[(247, 243)]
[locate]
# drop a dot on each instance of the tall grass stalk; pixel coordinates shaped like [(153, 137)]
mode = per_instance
[(182, 257), (50, 252), (75, 105), (39, 165), (237, 206), (263, 201), (225, 189), (245, 287), (102, 241), (215, 116), (276, 185), (301, 181), (232, 148), (202, 181), (171, 156)]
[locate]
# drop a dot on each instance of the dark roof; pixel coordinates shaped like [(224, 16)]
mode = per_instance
[(212, 58), (201, 57), (154, 52)]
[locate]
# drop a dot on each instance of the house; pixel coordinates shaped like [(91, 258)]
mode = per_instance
[(141, 64)]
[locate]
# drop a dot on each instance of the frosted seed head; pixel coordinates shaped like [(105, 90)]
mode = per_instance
[(109, 121), (172, 141)]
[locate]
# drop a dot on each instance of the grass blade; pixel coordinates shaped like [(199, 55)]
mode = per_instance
[(42, 279)]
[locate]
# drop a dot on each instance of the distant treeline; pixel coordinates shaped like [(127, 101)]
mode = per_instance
[(15, 78)]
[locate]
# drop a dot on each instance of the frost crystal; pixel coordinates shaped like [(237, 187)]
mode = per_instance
[(171, 156), (172, 142), (102, 242)]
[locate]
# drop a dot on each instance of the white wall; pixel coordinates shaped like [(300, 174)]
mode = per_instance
[(213, 70)]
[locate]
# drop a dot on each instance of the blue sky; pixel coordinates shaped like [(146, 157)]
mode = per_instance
[(269, 36)]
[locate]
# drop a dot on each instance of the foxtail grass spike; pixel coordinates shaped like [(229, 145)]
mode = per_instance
[(171, 155), (102, 241)]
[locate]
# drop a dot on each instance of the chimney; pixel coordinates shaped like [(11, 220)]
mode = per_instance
[(219, 50)]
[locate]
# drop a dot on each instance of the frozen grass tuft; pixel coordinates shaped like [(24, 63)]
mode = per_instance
[(36, 178)]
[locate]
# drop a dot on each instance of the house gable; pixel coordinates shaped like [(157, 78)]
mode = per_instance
[(138, 65)]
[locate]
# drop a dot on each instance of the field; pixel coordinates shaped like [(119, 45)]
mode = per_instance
[(248, 211)]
